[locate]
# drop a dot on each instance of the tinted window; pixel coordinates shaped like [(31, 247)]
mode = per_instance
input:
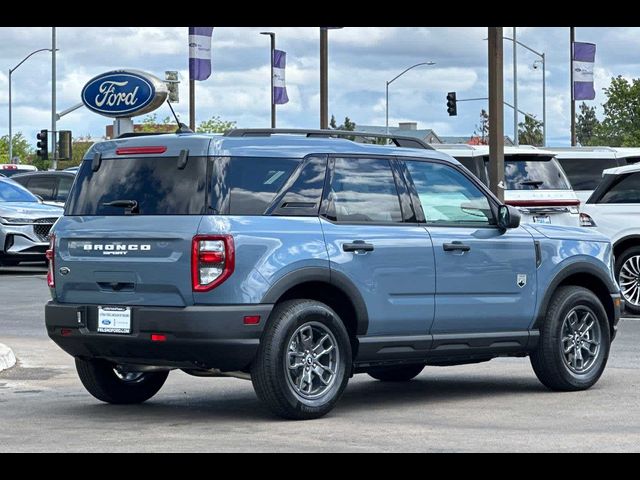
[(43, 186), (626, 190), (248, 185), (159, 187), (12, 192), (11, 172), (64, 185), (468, 163), (447, 196), (304, 191), (363, 190), (524, 172), (586, 173)]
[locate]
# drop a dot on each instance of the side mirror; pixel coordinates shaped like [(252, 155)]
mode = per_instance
[(40, 199), (508, 217)]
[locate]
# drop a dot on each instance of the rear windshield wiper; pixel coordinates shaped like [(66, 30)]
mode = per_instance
[(533, 183), (130, 206)]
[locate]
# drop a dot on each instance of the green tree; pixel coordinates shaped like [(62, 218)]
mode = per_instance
[(530, 132), (215, 125), (481, 132), (586, 125), (151, 124), (21, 148), (347, 125), (620, 126)]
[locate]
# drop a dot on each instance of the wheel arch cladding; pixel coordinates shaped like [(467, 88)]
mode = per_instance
[(582, 275), (331, 288), (625, 243)]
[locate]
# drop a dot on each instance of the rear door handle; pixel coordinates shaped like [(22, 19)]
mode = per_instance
[(455, 246), (357, 246)]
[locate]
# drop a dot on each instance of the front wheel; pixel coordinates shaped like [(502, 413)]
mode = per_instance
[(628, 275), (304, 360), (109, 384), (574, 341)]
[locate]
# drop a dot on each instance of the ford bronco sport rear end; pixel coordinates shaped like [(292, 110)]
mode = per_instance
[(298, 262)]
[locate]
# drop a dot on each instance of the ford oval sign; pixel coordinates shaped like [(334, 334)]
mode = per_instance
[(124, 93)]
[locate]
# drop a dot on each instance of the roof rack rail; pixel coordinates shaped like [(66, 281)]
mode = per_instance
[(397, 140)]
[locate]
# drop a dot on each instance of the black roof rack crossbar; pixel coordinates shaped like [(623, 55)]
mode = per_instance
[(397, 140)]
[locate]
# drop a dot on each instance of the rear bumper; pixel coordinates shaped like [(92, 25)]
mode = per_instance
[(196, 337)]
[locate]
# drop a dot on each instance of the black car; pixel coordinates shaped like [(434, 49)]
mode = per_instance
[(52, 187)]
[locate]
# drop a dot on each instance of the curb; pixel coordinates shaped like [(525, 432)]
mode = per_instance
[(7, 358)]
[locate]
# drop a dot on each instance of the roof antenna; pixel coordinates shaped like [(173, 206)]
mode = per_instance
[(182, 128)]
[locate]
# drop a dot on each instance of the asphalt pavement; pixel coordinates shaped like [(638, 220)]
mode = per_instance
[(496, 406)]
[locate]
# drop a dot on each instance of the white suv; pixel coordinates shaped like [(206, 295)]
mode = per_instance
[(614, 209)]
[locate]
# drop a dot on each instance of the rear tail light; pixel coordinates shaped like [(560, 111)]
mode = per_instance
[(212, 261), (51, 279), (586, 221)]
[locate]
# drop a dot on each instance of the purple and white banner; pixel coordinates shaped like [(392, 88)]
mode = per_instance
[(200, 52), (584, 56), (279, 87)]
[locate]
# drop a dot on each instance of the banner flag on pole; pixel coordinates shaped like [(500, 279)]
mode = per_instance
[(200, 52), (584, 56), (279, 87)]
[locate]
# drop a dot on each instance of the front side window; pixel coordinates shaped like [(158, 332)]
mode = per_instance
[(363, 190), (447, 196), (627, 190)]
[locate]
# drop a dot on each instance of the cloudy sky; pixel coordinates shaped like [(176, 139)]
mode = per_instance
[(361, 60)]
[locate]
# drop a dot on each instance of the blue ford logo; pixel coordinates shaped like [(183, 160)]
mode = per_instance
[(106, 322), (124, 93)]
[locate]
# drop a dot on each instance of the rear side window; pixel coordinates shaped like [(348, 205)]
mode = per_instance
[(626, 190), (248, 185), (527, 172), (363, 190), (156, 184), (43, 186), (586, 173), (64, 185)]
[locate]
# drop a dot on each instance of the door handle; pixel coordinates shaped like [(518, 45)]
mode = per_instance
[(357, 246), (455, 246)]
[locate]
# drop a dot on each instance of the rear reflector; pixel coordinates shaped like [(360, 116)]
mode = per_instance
[(158, 337), (252, 320), (140, 150), (65, 332), (543, 203)]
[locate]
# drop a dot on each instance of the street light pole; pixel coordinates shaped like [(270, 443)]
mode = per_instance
[(272, 35), (54, 136), (516, 140), (393, 80), (11, 70)]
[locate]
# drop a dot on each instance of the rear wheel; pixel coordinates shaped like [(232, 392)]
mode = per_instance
[(106, 382), (397, 373), (574, 341), (304, 360), (628, 275)]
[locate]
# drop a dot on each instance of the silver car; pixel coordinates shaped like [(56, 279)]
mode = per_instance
[(25, 223)]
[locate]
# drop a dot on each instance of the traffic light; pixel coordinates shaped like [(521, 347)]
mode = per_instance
[(452, 106), (43, 145), (64, 144)]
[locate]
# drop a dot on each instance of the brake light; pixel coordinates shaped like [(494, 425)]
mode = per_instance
[(212, 261), (543, 203), (51, 279), (139, 150), (586, 220)]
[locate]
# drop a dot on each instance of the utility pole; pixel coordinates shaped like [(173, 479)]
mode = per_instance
[(324, 79), (496, 113), (572, 39), (54, 156), (516, 141)]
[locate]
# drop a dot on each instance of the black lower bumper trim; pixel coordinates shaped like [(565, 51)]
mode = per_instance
[(195, 337)]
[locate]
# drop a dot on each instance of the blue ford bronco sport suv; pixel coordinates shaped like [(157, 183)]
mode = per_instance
[(299, 258)]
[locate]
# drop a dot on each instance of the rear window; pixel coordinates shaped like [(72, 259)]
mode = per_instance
[(586, 173), (156, 184), (525, 172)]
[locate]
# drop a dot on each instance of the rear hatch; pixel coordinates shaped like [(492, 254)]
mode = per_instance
[(539, 188), (127, 232)]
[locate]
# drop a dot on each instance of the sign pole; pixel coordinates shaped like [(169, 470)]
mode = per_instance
[(496, 113), (54, 158), (572, 39), (192, 104)]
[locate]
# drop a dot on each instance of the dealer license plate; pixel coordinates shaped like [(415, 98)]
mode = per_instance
[(541, 219), (114, 319)]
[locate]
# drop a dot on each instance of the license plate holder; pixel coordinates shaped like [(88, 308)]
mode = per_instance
[(114, 320), (542, 219)]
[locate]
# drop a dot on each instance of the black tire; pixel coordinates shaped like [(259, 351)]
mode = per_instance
[(548, 360), (270, 374), (620, 261), (397, 373), (101, 381)]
